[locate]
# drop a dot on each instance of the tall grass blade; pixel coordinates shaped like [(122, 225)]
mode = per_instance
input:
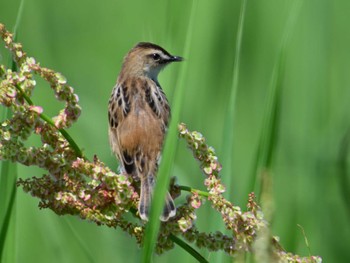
[(342, 165), (269, 130), (80, 241), (229, 122), (8, 172), (5, 225), (18, 18), (170, 147), (229, 127)]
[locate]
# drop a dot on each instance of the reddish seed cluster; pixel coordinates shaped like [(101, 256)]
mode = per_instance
[(245, 226), (73, 185)]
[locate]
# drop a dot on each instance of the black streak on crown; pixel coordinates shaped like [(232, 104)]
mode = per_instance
[(151, 45)]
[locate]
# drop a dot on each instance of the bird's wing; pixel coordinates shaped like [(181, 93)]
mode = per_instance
[(159, 104), (118, 109)]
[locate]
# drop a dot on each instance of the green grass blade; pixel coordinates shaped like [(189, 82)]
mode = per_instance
[(269, 134), (228, 136), (80, 241), (170, 147), (5, 225), (8, 173), (229, 128), (8, 178), (19, 18), (342, 165), (229, 122)]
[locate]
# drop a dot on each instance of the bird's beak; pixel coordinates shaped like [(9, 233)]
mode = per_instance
[(175, 59)]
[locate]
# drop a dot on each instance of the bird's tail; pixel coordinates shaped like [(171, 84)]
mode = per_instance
[(146, 193)]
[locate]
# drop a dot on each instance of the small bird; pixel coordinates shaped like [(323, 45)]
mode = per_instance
[(138, 114)]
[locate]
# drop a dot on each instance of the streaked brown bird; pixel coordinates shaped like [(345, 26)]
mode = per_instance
[(138, 114)]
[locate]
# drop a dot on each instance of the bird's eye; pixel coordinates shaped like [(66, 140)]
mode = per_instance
[(156, 57)]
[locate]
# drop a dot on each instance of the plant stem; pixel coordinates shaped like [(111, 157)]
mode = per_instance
[(7, 218), (188, 248), (192, 190), (48, 120)]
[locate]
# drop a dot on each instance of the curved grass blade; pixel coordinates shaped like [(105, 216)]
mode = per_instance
[(170, 147)]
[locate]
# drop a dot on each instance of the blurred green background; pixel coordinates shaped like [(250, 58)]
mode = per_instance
[(87, 40)]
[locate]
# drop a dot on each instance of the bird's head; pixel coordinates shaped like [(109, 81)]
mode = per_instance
[(147, 59)]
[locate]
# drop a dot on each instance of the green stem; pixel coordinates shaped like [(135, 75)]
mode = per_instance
[(48, 120), (182, 243), (7, 218), (192, 190), (72, 143), (188, 248)]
